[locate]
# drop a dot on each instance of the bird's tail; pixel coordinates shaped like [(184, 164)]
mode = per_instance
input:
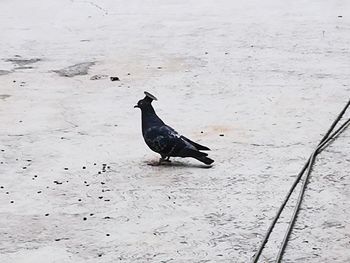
[(205, 160), (200, 156)]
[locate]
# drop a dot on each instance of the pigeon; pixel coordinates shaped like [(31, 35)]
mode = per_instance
[(163, 139)]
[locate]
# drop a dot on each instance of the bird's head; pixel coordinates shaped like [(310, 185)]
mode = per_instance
[(146, 101)]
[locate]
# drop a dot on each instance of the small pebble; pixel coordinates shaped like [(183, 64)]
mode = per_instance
[(114, 79), (12, 202), (84, 167), (221, 135), (84, 218), (99, 172), (107, 235), (79, 200), (91, 214), (100, 197), (39, 192), (47, 214), (65, 168)]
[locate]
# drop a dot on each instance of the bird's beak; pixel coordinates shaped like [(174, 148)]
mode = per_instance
[(136, 106)]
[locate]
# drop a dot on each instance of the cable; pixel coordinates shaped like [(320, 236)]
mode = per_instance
[(302, 191), (267, 235)]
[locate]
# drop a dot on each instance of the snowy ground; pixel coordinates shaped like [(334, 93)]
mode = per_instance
[(75, 185)]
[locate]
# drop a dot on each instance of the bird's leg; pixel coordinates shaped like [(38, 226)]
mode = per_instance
[(164, 159)]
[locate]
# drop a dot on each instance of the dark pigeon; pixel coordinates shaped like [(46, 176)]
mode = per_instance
[(163, 139)]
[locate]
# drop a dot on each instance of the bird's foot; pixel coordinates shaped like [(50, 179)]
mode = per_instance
[(164, 160), (153, 164)]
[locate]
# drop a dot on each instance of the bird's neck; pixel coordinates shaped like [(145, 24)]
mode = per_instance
[(150, 118)]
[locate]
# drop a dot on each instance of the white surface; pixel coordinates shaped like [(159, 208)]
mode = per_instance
[(270, 75)]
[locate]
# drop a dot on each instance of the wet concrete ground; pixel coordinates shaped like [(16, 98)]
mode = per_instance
[(259, 83)]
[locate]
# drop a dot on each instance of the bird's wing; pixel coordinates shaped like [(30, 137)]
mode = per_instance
[(197, 145), (165, 140)]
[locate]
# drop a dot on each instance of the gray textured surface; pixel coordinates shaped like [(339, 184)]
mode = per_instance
[(271, 77), (75, 70)]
